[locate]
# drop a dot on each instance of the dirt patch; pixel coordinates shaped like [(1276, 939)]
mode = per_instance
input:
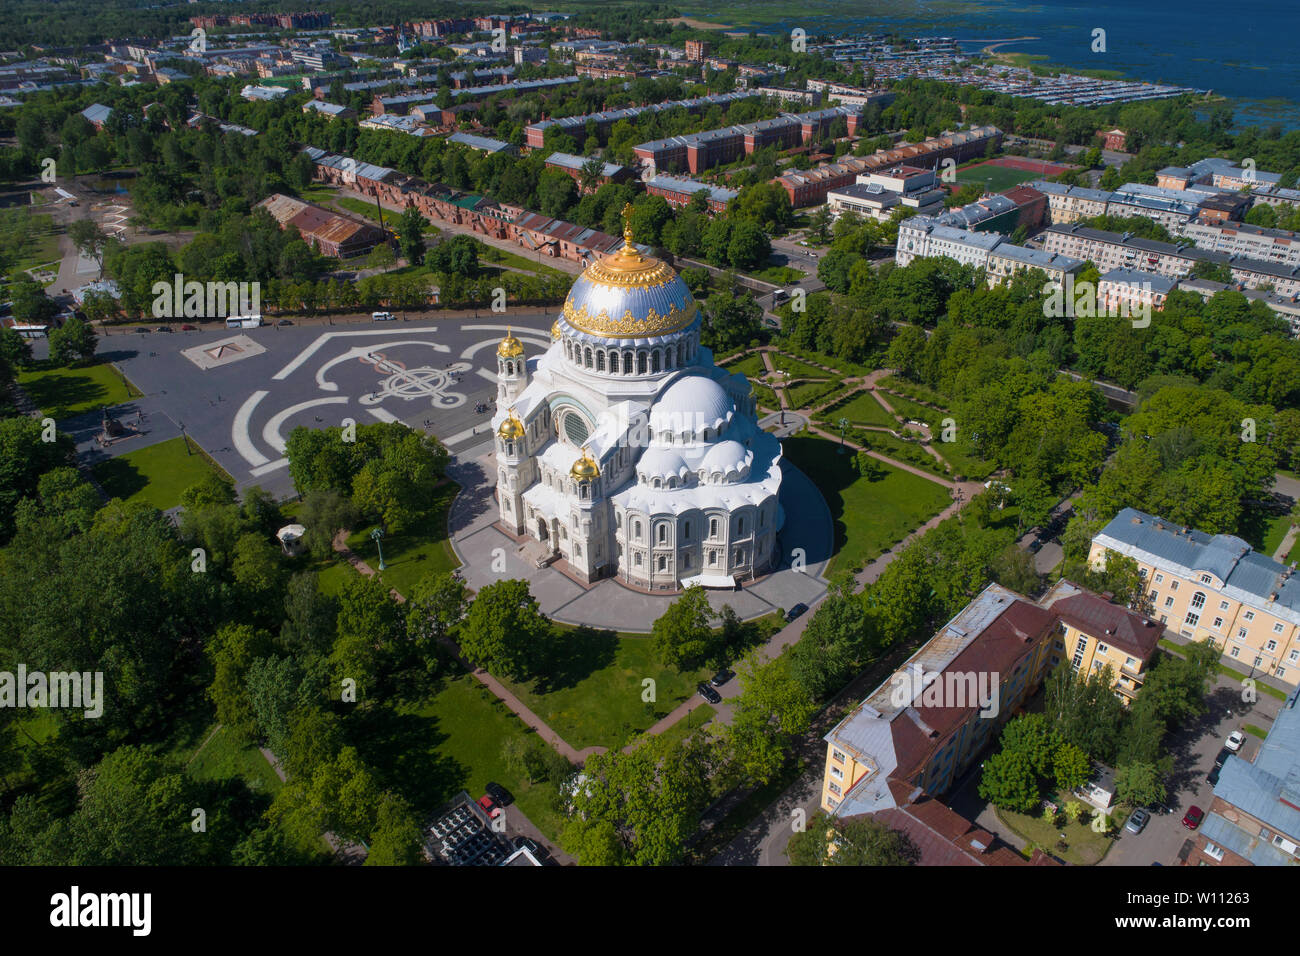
[(696, 24)]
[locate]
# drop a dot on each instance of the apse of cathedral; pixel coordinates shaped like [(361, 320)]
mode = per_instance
[(623, 449)]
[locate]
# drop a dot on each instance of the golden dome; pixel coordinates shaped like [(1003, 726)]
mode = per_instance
[(629, 295), (585, 467), (555, 329), (510, 346), (512, 427)]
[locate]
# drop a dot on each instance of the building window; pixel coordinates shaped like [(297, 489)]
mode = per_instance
[(1214, 851), (636, 530), (1218, 623), (663, 533), (1277, 628), (713, 559), (1206, 579), (835, 789), (1160, 579), (1169, 601), (1102, 648), (636, 559), (1173, 586), (686, 531), (663, 563), (1198, 600), (837, 755), (1154, 596), (1280, 672), (1294, 657), (1241, 633), (713, 528), (837, 773), (1249, 615), (1223, 605), (1192, 618), (1234, 652), (1270, 646)]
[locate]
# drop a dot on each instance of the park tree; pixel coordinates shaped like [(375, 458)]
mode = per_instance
[(1140, 784), (396, 839), (858, 841), (277, 686), (772, 711), (232, 651), (435, 605), (504, 632), (410, 227), (681, 635), (369, 626), (1070, 767), (72, 342), (31, 306), (90, 240), (1009, 781)]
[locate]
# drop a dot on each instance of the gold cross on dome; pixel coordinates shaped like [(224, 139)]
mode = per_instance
[(627, 223)]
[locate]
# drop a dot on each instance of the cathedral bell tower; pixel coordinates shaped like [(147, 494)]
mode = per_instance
[(512, 369)]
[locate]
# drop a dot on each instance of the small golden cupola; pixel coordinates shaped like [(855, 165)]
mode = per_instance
[(512, 428), (555, 330), (510, 346), (585, 468)]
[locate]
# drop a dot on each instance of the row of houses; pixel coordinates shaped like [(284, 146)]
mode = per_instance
[(810, 186), (700, 151), (542, 235), (922, 237), (603, 122)]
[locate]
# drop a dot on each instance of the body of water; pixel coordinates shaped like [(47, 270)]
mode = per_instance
[(1251, 55)]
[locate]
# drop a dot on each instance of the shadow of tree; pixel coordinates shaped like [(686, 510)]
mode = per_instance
[(403, 748), (575, 655)]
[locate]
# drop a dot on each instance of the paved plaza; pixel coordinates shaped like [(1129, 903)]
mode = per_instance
[(240, 394)]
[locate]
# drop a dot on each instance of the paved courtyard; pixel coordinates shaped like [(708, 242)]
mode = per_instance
[(490, 555), (240, 393)]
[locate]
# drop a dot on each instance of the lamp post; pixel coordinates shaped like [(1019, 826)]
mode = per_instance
[(844, 425), (184, 438), (377, 536)]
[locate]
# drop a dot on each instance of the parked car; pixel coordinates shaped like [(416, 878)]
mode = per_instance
[(500, 794), (721, 677), (382, 317), (163, 328), (285, 322), (1213, 777), (1222, 758), (796, 611), (141, 328), (489, 806), (189, 328), (1193, 817), (1137, 821), (708, 693), (1234, 741)]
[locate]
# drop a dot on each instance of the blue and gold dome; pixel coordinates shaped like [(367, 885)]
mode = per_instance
[(627, 295)]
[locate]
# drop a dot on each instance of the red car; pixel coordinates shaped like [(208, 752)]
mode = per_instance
[(490, 806), (1193, 817), (189, 328)]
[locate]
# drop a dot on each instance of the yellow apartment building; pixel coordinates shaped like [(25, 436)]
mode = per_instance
[(1212, 587), (1093, 632)]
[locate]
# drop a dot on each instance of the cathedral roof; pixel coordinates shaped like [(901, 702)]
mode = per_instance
[(629, 295)]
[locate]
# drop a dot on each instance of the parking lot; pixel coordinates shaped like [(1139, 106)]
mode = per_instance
[(464, 832), (1194, 749)]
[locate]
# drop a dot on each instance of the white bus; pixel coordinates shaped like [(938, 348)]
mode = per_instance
[(243, 321)]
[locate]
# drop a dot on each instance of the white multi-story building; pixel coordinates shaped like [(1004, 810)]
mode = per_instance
[(624, 450)]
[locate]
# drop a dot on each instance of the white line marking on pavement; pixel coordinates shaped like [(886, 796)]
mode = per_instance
[(359, 351), (312, 349), (383, 414), (490, 376), (273, 466), (239, 431), (271, 433)]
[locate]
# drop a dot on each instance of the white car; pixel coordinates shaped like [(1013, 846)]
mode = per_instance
[(1235, 740), (382, 317)]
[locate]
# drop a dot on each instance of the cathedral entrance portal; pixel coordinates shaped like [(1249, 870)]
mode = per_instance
[(543, 534)]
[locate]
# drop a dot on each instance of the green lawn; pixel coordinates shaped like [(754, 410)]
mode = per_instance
[(869, 516), (813, 393), (501, 257), (595, 698), (913, 453), (365, 209), (964, 461), (409, 556), (751, 366), (796, 368), (865, 410), (436, 747), (766, 397), (64, 392), (914, 410), (40, 239), (778, 275), (844, 366), (156, 474), (223, 757), (1276, 530), (1083, 846), (995, 178)]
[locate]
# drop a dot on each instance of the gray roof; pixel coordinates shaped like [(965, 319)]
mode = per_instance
[(570, 161), (1247, 576), (690, 187), (1158, 283), (97, 112)]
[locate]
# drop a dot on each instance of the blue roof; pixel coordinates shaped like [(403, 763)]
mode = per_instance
[(1247, 576)]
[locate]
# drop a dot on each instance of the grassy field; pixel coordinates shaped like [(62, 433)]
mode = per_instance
[(1276, 530), (501, 257), (963, 460), (367, 210), (842, 365), (766, 397), (778, 275), (813, 393), (911, 410), (38, 239), (156, 474), (223, 757), (995, 178), (594, 698), (64, 392), (434, 748), (423, 549), (751, 366), (865, 410), (1083, 846), (869, 516), (796, 368)]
